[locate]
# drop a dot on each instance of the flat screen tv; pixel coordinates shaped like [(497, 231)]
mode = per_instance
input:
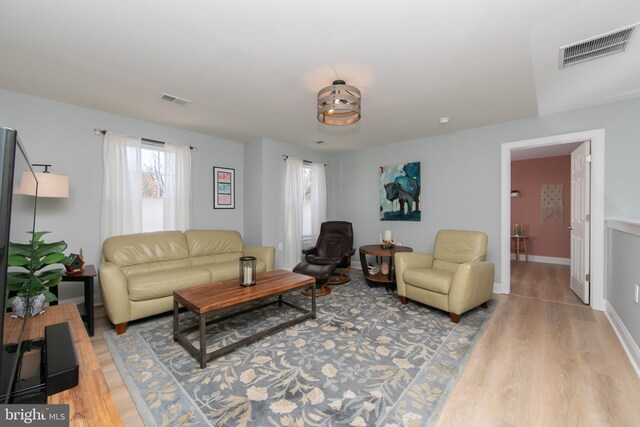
[(17, 219)]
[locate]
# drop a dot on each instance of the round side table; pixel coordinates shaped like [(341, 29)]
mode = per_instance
[(388, 280)]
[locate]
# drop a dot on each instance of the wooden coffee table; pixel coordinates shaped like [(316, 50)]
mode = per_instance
[(207, 300)]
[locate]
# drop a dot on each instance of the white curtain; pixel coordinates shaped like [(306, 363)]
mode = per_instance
[(121, 185), (318, 198), (177, 190), (293, 195)]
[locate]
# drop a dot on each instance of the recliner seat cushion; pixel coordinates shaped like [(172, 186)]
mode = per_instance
[(430, 279), (158, 284)]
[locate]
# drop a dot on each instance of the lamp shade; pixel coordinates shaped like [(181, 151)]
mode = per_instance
[(339, 104), (48, 184)]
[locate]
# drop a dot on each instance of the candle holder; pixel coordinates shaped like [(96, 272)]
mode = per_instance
[(247, 271), (387, 240)]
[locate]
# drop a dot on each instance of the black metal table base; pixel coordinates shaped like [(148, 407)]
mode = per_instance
[(201, 353)]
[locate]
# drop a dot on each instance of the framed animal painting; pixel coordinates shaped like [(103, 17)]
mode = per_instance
[(400, 192)]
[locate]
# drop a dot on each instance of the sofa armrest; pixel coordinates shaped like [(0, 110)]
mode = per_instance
[(471, 286), (115, 293), (267, 254), (405, 260)]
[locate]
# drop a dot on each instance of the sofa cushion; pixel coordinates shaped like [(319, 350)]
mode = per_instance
[(458, 246), (211, 242), (142, 248), (430, 279), (157, 284), (229, 270)]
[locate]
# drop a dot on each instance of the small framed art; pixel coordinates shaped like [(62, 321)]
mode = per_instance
[(224, 188)]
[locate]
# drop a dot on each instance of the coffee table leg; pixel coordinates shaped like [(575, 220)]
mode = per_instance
[(279, 299), (313, 301), (203, 342), (175, 320)]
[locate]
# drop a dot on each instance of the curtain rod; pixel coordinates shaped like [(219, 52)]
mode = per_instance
[(285, 157), (154, 141)]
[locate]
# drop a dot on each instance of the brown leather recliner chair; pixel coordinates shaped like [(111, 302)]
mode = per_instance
[(454, 278), (333, 250)]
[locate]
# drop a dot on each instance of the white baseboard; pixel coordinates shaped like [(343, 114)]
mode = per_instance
[(544, 259), (629, 345)]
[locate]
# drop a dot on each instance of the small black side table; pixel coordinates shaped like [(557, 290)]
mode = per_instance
[(86, 309)]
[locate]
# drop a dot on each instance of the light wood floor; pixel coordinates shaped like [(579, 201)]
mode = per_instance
[(549, 282), (545, 363), (539, 363)]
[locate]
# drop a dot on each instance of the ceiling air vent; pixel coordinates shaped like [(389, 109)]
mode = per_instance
[(596, 47), (174, 99)]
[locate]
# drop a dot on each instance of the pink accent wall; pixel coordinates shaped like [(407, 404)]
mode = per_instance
[(550, 238)]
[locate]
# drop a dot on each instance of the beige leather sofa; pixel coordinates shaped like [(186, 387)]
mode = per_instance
[(139, 272), (454, 278)]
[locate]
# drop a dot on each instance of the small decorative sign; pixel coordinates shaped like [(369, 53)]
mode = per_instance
[(224, 188)]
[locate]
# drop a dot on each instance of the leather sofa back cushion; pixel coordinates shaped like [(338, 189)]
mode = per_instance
[(143, 248), (457, 246), (212, 242)]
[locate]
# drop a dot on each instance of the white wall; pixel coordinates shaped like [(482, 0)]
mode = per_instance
[(62, 135), (461, 175)]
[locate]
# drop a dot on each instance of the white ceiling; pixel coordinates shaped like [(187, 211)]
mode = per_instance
[(544, 151), (253, 68)]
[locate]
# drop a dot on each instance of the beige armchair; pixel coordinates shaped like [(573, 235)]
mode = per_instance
[(454, 278)]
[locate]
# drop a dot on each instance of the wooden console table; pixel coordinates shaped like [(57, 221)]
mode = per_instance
[(389, 280), (90, 402)]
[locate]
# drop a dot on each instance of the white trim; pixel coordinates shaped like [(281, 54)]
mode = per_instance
[(629, 345), (631, 227), (597, 138), (545, 259)]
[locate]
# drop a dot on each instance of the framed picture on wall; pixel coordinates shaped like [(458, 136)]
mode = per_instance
[(224, 190)]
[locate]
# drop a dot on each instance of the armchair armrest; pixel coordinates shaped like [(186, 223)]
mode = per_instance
[(406, 260), (115, 293), (311, 250), (267, 254), (471, 286)]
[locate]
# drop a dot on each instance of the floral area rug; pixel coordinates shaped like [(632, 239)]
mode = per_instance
[(366, 360)]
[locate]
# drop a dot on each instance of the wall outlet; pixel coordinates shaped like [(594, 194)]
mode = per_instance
[(280, 246), (635, 293)]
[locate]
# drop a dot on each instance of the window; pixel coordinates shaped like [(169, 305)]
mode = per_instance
[(153, 188), (145, 187)]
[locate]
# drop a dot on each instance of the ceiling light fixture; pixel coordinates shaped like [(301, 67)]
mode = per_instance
[(443, 120), (339, 104)]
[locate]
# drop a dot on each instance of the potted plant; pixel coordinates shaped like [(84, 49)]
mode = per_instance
[(32, 285)]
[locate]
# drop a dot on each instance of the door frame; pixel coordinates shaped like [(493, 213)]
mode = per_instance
[(596, 225)]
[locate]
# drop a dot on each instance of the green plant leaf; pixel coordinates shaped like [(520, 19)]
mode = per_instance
[(49, 275), (49, 297), (38, 234), (17, 261), (44, 249), (53, 258), (20, 249), (53, 282)]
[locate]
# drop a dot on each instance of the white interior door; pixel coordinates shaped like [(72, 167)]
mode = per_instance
[(580, 218)]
